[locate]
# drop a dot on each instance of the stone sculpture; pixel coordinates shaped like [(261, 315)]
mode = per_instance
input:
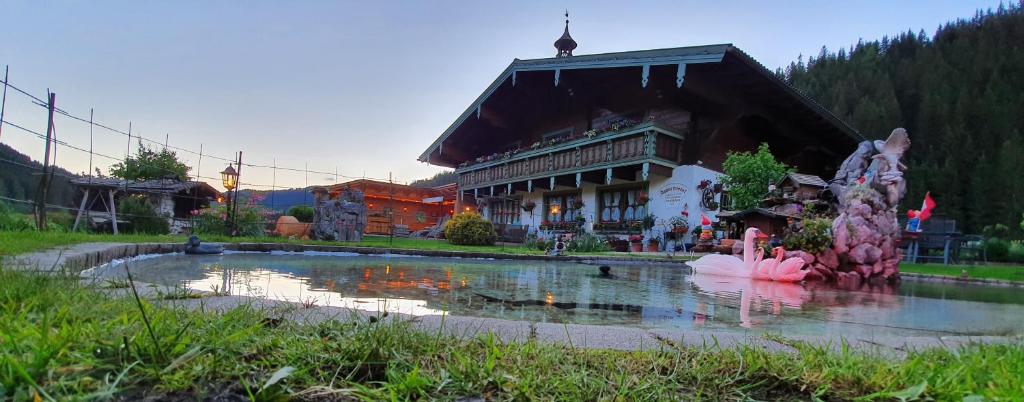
[(194, 246), (341, 219), (868, 188)]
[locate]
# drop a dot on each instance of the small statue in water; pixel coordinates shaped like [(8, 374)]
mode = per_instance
[(194, 246)]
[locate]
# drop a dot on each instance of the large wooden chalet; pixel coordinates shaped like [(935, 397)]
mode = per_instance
[(609, 129)]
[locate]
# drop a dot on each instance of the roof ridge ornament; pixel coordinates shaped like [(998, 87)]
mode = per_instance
[(565, 44)]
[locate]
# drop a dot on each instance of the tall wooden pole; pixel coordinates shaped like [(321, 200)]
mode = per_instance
[(234, 203), (44, 180), (3, 103)]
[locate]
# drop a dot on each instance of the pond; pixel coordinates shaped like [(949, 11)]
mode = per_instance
[(638, 295)]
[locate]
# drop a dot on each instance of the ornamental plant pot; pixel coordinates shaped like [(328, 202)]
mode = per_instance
[(636, 247), (652, 247)]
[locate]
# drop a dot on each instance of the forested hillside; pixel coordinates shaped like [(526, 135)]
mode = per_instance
[(19, 177), (960, 94)]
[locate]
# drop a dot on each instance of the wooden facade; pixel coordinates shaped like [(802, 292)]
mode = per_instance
[(406, 207)]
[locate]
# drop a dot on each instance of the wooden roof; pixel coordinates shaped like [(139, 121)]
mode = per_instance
[(726, 57), (162, 186), (805, 179)]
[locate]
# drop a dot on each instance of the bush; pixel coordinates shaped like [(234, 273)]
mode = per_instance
[(998, 230), (14, 221), (142, 216), (587, 243), (469, 229), (303, 213), (533, 242), (252, 221), (813, 238), (997, 249), (1016, 252)]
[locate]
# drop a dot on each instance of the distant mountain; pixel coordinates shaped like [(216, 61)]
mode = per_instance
[(19, 177), (280, 200)]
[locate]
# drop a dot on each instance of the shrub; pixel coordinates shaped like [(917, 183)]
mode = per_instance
[(814, 237), (303, 213), (997, 249), (998, 230), (251, 222), (469, 229), (13, 221), (587, 243), (142, 216), (1016, 252), (533, 242)]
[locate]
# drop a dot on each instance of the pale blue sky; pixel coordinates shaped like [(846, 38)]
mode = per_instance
[(362, 87)]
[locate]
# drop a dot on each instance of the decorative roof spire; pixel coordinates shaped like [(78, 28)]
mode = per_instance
[(565, 44)]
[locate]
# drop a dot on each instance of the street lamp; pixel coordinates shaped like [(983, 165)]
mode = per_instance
[(229, 178)]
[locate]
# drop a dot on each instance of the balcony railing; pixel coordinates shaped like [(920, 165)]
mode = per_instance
[(643, 143)]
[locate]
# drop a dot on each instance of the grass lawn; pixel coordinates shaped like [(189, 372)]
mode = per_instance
[(1003, 272), (63, 340), (12, 243)]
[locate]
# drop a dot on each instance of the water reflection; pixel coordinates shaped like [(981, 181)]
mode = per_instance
[(646, 296)]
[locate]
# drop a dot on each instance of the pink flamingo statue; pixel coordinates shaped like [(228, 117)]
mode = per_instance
[(728, 265)]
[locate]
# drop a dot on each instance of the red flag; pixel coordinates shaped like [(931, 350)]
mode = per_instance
[(927, 207)]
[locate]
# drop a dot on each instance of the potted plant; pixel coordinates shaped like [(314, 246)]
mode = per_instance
[(636, 243), (652, 245), (643, 199), (679, 225), (528, 206), (577, 204)]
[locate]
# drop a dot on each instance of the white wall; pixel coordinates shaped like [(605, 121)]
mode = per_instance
[(669, 195)]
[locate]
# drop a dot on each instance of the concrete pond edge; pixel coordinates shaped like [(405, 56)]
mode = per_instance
[(77, 258)]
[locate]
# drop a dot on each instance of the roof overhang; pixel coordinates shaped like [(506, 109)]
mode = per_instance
[(680, 57)]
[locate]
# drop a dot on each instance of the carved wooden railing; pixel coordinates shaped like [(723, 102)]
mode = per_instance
[(643, 143)]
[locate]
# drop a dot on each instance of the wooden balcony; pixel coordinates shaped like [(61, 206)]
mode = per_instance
[(647, 146)]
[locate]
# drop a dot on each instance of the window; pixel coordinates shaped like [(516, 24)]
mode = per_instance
[(558, 207), (620, 204), (504, 211)]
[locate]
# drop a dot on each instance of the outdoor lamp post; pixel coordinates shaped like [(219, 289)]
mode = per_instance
[(229, 178)]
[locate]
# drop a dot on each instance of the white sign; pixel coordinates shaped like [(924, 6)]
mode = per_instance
[(673, 194)]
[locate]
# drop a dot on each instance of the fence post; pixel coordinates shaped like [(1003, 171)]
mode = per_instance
[(3, 103), (44, 180)]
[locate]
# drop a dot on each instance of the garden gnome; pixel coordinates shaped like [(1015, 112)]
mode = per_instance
[(915, 217), (705, 228)]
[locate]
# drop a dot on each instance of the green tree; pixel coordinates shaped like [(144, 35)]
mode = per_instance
[(747, 176), (149, 164)]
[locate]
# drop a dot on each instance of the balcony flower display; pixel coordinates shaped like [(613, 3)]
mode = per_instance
[(589, 134), (566, 226)]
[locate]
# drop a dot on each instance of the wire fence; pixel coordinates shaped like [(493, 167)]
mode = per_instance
[(57, 140)]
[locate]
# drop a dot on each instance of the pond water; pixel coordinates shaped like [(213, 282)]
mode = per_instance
[(641, 295)]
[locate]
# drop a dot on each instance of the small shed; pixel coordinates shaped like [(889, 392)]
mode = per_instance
[(801, 187), (172, 198), (770, 221)]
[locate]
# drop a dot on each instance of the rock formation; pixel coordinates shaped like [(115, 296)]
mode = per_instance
[(341, 219), (865, 235)]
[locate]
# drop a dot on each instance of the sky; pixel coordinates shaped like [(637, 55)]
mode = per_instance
[(353, 89)]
